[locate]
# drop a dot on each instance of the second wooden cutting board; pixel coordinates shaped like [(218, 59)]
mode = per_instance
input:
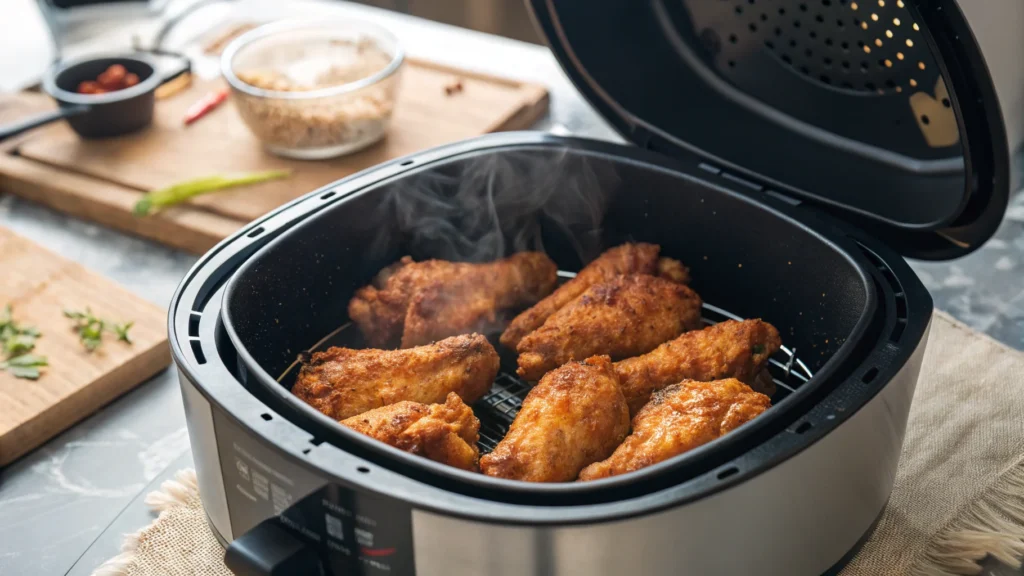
[(39, 285)]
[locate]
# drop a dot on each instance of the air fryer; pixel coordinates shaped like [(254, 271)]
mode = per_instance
[(790, 184)]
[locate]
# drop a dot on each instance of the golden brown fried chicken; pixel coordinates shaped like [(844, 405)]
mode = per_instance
[(419, 302), (625, 259), (446, 433), (729, 349), (478, 297), (673, 270), (342, 382), (679, 418), (622, 317), (575, 416), (379, 309)]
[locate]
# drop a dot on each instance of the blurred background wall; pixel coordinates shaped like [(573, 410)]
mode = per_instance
[(25, 43), (507, 18)]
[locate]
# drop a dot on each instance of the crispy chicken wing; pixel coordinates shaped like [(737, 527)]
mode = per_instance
[(624, 259), (342, 382), (419, 302), (379, 309), (673, 270), (575, 416), (679, 418), (622, 317), (446, 433), (729, 349)]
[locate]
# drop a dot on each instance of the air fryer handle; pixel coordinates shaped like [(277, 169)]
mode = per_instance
[(15, 128), (270, 550)]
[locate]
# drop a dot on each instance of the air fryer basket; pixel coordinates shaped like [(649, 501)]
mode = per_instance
[(747, 259)]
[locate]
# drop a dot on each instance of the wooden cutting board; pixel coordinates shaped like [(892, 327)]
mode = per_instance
[(39, 285), (101, 180)]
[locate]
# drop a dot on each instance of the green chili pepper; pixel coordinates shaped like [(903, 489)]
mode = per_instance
[(183, 191)]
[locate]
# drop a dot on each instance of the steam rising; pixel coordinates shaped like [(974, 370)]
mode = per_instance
[(495, 204)]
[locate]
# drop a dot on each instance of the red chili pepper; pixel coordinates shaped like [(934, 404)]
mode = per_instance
[(203, 106)]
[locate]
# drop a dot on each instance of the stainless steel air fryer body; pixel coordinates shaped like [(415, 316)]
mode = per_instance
[(802, 517), (800, 489), (789, 152)]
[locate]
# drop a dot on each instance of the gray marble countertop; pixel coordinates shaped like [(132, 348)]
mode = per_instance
[(65, 506)]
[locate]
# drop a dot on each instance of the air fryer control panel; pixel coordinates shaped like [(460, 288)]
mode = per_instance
[(353, 533)]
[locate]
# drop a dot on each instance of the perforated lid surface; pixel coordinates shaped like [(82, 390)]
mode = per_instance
[(880, 110)]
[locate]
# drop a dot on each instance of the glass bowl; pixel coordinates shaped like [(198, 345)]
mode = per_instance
[(314, 90)]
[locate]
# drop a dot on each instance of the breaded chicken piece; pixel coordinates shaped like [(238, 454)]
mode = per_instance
[(622, 317), (480, 299), (729, 349), (625, 259), (417, 303), (379, 309), (673, 271), (575, 416), (342, 382), (679, 418), (446, 433)]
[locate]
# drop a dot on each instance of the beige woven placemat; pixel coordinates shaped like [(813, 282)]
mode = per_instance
[(959, 493)]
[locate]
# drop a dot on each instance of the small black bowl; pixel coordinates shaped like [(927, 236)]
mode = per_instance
[(100, 115)]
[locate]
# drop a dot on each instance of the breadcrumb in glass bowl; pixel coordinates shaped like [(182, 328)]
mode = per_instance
[(313, 90)]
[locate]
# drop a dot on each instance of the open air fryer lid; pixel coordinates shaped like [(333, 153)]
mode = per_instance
[(882, 111)]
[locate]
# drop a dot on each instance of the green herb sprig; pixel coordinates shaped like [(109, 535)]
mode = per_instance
[(90, 328), (25, 366), (17, 341)]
